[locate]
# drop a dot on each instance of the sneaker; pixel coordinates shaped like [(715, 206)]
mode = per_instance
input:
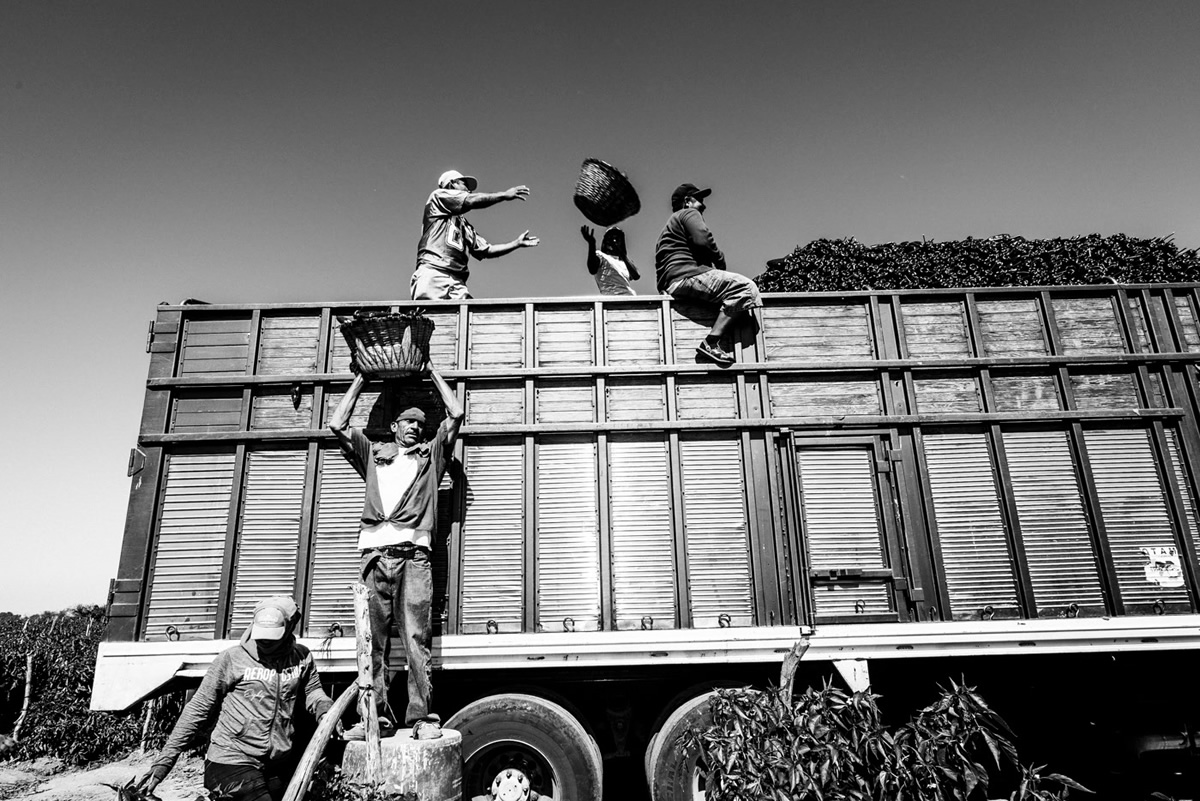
[(714, 352), (358, 731), (426, 730)]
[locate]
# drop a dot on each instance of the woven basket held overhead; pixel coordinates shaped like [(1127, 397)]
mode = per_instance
[(604, 194), (388, 345)]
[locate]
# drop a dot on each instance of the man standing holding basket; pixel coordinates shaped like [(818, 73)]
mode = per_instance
[(399, 521)]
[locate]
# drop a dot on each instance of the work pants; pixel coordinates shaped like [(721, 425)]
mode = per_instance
[(401, 592)]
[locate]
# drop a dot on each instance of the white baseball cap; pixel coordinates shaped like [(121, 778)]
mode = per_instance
[(271, 617), (455, 175)]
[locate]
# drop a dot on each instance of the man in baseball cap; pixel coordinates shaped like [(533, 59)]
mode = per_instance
[(690, 266), (447, 238), (270, 619), (253, 687)]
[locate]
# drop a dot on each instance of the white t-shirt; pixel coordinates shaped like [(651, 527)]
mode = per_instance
[(613, 276), (394, 480)]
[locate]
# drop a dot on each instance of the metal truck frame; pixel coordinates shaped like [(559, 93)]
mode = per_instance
[(917, 481)]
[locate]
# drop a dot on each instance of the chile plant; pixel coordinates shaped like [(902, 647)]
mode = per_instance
[(831, 745)]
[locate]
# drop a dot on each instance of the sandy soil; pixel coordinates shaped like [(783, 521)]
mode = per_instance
[(49, 780)]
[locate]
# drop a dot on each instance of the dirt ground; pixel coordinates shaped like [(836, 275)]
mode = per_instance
[(49, 780)]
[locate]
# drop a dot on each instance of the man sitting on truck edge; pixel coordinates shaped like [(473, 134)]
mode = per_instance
[(690, 266), (447, 238), (254, 688), (398, 523)]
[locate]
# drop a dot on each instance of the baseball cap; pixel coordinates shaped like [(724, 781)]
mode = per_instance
[(269, 624), (455, 175), (412, 413), (684, 191)]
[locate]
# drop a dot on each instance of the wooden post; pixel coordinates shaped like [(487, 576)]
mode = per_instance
[(298, 786), (16, 735), (366, 686), (787, 672)]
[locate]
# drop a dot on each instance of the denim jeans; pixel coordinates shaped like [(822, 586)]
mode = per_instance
[(245, 782), (401, 592)]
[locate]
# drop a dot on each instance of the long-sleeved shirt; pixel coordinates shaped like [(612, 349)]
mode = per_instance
[(685, 248), (256, 698)]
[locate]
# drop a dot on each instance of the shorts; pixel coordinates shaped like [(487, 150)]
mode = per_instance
[(734, 292), (430, 284)]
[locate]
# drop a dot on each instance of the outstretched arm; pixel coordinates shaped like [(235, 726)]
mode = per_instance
[(339, 423), (454, 411), (589, 236), (492, 251), (481, 200)]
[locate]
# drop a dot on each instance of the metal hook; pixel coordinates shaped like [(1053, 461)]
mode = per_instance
[(988, 612), (647, 622), (860, 606), (335, 629), (172, 633), (493, 627), (568, 624), (1072, 609), (723, 620), (1160, 607)]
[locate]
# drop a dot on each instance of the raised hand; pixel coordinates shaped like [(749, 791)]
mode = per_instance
[(518, 192), (588, 234), (527, 241)]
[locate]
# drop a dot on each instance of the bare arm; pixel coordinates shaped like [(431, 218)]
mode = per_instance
[(633, 270), (454, 412), (339, 423), (492, 251), (481, 200), (593, 261)]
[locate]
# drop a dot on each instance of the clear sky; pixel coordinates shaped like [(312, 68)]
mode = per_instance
[(281, 151)]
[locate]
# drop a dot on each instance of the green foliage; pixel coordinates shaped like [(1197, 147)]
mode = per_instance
[(330, 784), (827, 744), (58, 722), (831, 265)]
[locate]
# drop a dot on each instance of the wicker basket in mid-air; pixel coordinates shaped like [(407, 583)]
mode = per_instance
[(388, 345), (604, 194)]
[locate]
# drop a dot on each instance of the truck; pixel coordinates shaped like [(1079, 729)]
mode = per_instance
[(997, 484)]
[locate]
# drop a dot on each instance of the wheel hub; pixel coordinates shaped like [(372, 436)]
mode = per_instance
[(510, 784)]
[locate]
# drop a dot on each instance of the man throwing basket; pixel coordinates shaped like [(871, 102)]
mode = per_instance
[(447, 238), (398, 523)]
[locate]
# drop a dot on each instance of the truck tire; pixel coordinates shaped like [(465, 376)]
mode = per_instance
[(514, 731), (670, 771)]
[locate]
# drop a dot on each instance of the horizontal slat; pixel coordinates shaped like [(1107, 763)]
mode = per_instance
[(492, 538), (971, 534), (190, 546), (717, 544)]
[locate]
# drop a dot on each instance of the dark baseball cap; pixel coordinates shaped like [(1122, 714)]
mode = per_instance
[(412, 413), (684, 191)]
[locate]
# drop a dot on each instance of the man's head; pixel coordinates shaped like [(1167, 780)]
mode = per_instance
[(453, 179), (272, 622), (613, 242), (409, 427), (688, 196)]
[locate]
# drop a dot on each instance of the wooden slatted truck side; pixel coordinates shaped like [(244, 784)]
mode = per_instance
[(995, 484)]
